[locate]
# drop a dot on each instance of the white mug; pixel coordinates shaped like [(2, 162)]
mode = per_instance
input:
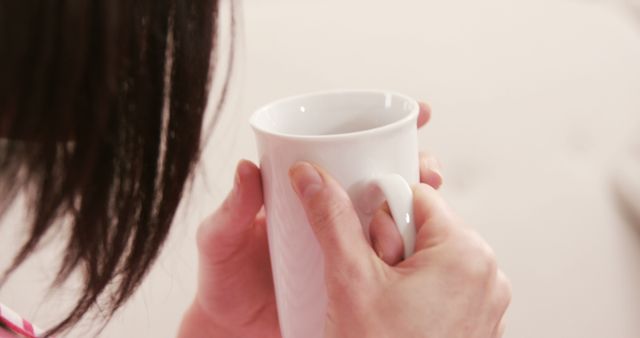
[(367, 140)]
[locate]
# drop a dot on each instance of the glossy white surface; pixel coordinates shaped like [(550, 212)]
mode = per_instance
[(359, 137), (399, 196), (335, 113), (534, 102)]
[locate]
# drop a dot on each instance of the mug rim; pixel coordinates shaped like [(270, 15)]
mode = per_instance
[(415, 109)]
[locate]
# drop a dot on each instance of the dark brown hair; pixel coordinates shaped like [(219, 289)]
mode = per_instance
[(101, 112)]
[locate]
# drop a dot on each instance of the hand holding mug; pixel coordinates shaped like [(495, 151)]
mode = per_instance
[(449, 288), (235, 296)]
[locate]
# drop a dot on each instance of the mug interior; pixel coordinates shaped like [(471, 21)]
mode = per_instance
[(334, 113)]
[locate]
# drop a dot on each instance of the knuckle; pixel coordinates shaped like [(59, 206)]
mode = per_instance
[(479, 259), (505, 291), (354, 284), (351, 281), (349, 277), (477, 268), (204, 234), (225, 208), (327, 211), (211, 229)]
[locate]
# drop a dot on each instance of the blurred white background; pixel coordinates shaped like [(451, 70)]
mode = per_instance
[(535, 105)]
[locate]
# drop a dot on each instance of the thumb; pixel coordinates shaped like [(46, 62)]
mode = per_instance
[(229, 227), (433, 218), (332, 217)]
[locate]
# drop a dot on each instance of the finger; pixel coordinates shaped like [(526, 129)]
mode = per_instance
[(424, 114), (430, 170), (226, 228), (385, 237), (331, 215), (433, 218)]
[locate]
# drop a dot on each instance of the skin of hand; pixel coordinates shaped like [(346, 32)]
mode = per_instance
[(449, 288), (235, 296)]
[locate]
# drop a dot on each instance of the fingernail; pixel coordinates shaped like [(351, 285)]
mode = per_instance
[(305, 179), (237, 180), (431, 175), (242, 170), (433, 164)]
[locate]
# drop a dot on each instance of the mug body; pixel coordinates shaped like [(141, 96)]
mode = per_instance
[(355, 136)]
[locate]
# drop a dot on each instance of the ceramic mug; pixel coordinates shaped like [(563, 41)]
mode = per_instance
[(367, 140)]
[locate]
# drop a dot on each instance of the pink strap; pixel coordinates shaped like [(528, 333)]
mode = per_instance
[(18, 324)]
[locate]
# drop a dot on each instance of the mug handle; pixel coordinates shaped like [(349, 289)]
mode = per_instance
[(399, 196)]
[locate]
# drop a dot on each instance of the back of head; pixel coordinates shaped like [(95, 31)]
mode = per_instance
[(101, 111)]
